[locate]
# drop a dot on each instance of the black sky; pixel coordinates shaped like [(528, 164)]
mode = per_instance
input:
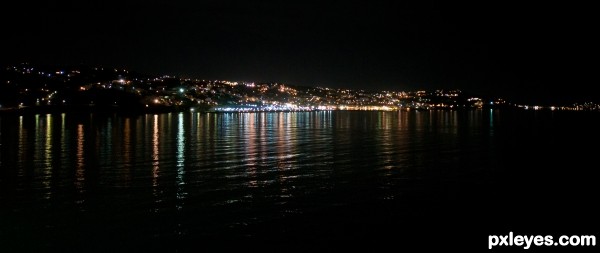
[(536, 52)]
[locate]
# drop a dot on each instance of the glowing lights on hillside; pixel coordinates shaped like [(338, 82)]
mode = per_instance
[(221, 95)]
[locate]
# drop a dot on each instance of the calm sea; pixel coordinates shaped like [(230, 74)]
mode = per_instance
[(286, 181)]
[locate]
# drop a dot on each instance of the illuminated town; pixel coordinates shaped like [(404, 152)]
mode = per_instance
[(26, 87)]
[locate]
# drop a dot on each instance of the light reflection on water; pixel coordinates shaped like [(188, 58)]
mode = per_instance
[(198, 173), (236, 145), (80, 170), (155, 161)]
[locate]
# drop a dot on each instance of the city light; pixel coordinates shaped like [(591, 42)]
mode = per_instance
[(222, 95)]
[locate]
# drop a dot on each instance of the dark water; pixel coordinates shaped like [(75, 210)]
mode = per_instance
[(193, 181)]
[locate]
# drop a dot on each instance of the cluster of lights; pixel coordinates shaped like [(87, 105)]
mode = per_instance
[(224, 95)]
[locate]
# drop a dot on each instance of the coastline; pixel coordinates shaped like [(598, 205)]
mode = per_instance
[(88, 109), (141, 110)]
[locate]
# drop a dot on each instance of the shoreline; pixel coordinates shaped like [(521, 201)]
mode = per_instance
[(159, 110), (87, 109)]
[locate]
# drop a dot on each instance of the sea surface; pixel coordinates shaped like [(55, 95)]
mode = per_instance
[(287, 181)]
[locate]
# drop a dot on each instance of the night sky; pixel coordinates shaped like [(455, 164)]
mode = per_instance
[(538, 52)]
